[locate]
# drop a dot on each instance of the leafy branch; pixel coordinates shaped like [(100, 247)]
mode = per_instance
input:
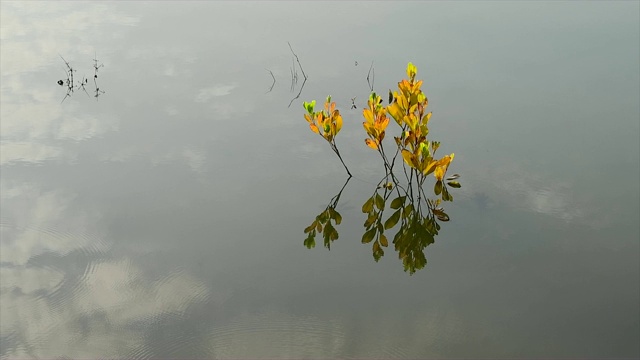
[(326, 123)]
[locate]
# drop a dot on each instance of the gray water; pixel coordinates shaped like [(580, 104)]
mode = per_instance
[(164, 218)]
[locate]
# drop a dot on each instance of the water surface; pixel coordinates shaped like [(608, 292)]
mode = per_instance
[(164, 219)]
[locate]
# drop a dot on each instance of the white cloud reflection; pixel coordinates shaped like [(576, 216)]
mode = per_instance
[(43, 307), (33, 35), (207, 94)]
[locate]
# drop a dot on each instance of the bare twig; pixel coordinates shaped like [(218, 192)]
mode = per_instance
[(298, 60), (82, 85), (294, 75), (274, 80), (300, 92), (371, 77), (69, 82), (303, 75)]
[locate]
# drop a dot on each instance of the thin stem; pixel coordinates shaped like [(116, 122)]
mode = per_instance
[(335, 149)]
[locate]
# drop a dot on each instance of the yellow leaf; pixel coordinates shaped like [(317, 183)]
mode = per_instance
[(368, 128), (404, 103), (439, 173), (382, 123), (307, 117), (314, 128), (416, 86), (395, 112), (409, 158), (429, 169), (441, 167), (338, 119), (368, 115), (425, 119), (370, 143), (411, 71)]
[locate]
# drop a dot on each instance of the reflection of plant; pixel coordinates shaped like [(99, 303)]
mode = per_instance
[(322, 223), (417, 214), (418, 225), (73, 85)]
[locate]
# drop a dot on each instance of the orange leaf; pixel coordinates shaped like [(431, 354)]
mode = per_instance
[(314, 128)]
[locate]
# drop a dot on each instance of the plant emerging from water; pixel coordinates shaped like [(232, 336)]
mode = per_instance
[(326, 123), (417, 214)]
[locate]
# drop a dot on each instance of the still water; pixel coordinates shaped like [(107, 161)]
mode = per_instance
[(160, 214)]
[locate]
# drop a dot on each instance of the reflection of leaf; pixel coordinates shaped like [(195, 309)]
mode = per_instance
[(445, 194), (441, 215), (310, 227), (437, 189), (454, 184), (370, 220), (397, 202), (368, 206), (310, 242), (368, 236), (383, 240), (379, 202), (337, 217), (407, 211), (392, 220)]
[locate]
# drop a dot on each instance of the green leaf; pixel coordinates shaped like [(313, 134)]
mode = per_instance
[(392, 220), (445, 194), (310, 227), (310, 242), (309, 106), (454, 184), (368, 205), (337, 217), (370, 220), (407, 211), (379, 202), (398, 202), (368, 236), (437, 189), (383, 240), (328, 229)]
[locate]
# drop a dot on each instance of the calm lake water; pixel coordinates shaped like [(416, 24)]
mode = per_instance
[(164, 218)]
